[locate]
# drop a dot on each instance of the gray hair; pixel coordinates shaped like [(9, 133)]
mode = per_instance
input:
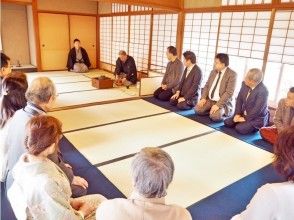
[(41, 90), (122, 52), (255, 75), (153, 171)]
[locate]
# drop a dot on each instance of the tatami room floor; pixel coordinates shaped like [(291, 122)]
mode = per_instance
[(216, 170)]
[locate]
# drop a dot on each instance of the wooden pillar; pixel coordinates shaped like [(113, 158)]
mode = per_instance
[(37, 36)]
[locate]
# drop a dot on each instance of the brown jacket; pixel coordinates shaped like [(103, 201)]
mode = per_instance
[(226, 91), (284, 116), (138, 207)]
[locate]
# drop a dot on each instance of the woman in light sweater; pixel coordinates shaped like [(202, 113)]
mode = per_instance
[(276, 201), (41, 189), (12, 98)]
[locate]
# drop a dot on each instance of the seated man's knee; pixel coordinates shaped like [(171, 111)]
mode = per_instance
[(183, 106), (173, 102), (199, 110), (229, 122), (217, 116), (163, 96), (244, 128)]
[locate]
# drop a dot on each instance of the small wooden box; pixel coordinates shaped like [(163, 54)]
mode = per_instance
[(102, 83)]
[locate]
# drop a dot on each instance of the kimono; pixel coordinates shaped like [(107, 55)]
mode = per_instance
[(41, 190)]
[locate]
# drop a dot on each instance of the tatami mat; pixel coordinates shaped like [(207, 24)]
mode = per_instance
[(63, 79), (102, 114), (94, 96), (74, 87), (203, 166), (109, 142)]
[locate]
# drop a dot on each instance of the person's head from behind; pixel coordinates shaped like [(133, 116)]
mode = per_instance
[(221, 61), (43, 133), (123, 56), (290, 98), (42, 93), (77, 44), (284, 153), (171, 53), (152, 171), (253, 77), (5, 65), (189, 58), (12, 98)]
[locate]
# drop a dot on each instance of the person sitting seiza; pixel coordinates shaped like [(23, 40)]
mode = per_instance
[(251, 112)]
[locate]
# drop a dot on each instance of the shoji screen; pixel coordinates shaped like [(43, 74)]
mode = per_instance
[(279, 75), (245, 2), (116, 8), (120, 27), (139, 40), (105, 39), (140, 8), (243, 36), (163, 35), (200, 36)]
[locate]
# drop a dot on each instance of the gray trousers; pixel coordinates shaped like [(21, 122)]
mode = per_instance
[(205, 110), (80, 68)]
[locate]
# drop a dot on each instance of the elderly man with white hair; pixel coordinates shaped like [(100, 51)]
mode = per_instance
[(40, 96), (152, 171), (251, 112)]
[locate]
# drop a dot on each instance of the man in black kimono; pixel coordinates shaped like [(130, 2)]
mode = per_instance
[(125, 70), (187, 92), (78, 59)]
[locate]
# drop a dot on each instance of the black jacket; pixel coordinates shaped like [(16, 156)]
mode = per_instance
[(190, 87), (128, 67), (71, 60), (255, 105)]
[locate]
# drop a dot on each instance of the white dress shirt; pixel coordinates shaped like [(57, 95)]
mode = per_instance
[(271, 202), (189, 70), (216, 96)]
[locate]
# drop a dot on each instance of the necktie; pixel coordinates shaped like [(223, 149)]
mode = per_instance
[(217, 81), (249, 92)]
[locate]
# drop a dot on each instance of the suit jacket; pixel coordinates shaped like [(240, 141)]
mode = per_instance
[(226, 91), (128, 67), (173, 73), (284, 116), (255, 105), (72, 57), (189, 87), (139, 207)]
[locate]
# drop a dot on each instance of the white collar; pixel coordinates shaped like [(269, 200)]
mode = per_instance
[(190, 67), (224, 70)]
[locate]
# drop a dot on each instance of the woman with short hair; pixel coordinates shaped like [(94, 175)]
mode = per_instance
[(41, 189)]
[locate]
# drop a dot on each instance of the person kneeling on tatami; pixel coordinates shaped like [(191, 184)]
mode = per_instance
[(251, 112)]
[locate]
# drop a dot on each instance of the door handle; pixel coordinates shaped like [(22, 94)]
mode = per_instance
[(43, 45)]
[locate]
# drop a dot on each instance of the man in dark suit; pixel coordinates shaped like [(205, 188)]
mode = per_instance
[(251, 112), (125, 70), (217, 94), (187, 92), (172, 76), (78, 60)]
